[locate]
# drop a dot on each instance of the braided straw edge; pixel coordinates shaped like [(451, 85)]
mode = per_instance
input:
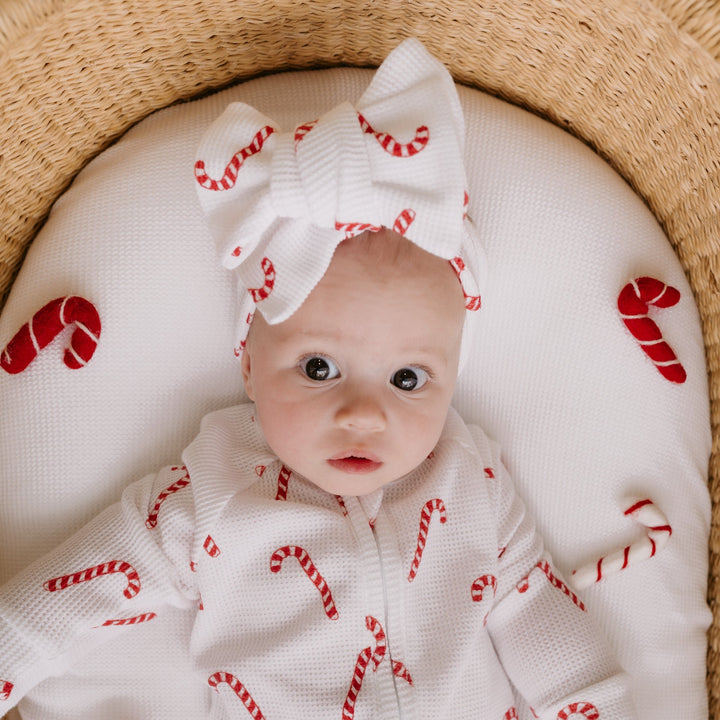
[(639, 84)]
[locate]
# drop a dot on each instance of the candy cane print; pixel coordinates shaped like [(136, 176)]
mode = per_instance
[(179, 484), (403, 221), (263, 292), (356, 228), (310, 570), (657, 533), (431, 506), (390, 145), (210, 547), (302, 130), (376, 628), (232, 169), (632, 303), (400, 671), (587, 710), (511, 714), (108, 568), (239, 689), (524, 584), (363, 660), (46, 324), (472, 302), (131, 620), (283, 482), (6, 688), (478, 587)]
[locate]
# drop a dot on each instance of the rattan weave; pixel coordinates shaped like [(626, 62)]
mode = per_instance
[(638, 81)]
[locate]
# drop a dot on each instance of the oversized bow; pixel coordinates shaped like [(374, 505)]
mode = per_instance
[(279, 203)]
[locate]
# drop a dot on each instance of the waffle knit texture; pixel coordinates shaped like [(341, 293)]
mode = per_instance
[(419, 600)]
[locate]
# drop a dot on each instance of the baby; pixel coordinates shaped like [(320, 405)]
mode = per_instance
[(349, 548)]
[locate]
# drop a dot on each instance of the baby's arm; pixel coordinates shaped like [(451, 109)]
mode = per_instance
[(127, 563), (551, 649)]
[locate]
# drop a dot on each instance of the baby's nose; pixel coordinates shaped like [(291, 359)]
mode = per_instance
[(361, 411)]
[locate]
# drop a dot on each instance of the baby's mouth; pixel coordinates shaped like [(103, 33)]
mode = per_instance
[(355, 462)]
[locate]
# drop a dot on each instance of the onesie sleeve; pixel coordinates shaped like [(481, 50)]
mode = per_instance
[(118, 571), (550, 647)]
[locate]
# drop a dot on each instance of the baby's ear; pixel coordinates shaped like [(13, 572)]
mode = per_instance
[(246, 367)]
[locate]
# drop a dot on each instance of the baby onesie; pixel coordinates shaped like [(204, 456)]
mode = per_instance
[(429, 598)]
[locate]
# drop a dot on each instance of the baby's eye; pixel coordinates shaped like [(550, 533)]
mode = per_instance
[(409, 378), (320, 368)]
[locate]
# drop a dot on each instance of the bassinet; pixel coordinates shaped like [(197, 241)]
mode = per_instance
[(638, 81)]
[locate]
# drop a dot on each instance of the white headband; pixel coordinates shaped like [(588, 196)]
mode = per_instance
[(280, 203)]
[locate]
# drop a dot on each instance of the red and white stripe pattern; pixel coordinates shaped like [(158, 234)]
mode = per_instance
[(403, 221), (310, 570), (584, 710), (472, 302), (46, 324), (632, 303), (391, 146), (302, 130), (232, 169), (211, 547), (352, 229), (6, 688), (657, 533), (478, 588), (109, 568), (544, 566), (366, 656), (261, 293), (239, 689), (137, 619), (431, 506), (400, 671), (283, 483), (182, 482)]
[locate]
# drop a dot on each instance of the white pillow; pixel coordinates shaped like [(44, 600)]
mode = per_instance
[(586, 420)]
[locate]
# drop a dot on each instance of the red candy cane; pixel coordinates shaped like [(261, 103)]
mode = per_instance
[(632, 303), (658, 532), (310, 570), (431, 506), (524, 584), (108, 568), (390, 145), (511, 714), (239, 689), (131, 620), (355, 228), (302, 130), (587, 710), (179, 484), (403, 221), (210, 547), (45, 326), (366, 655), (472, 302), (232, 169), (283, 483), (399, 670), (263, 292), (479, 586), (6, 688)]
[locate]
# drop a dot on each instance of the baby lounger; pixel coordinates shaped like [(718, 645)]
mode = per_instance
[(592, 428)]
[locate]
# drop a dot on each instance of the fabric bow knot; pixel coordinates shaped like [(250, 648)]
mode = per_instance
[(279, 203)]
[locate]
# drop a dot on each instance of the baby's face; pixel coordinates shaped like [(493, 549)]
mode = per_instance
[(353, 390)]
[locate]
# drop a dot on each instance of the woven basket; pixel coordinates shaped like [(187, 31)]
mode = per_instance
[(636, 80)]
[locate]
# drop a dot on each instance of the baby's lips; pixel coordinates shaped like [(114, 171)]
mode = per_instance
[(355, 462), (356, 453)]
